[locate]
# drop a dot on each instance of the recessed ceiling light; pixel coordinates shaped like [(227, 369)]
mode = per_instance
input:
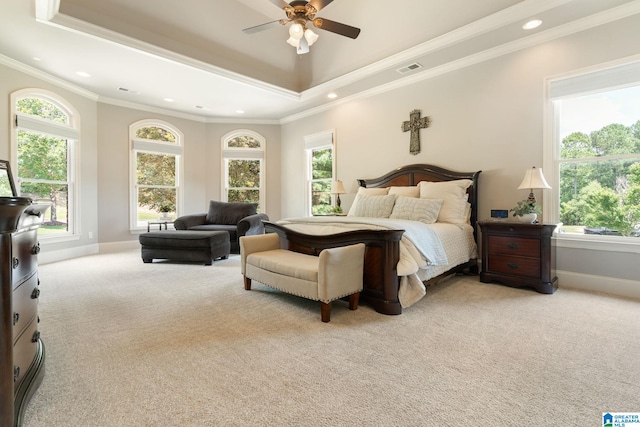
[(35, 58), (332, 95), (83, 74), (240, 111), (169, 99), (534, 23)]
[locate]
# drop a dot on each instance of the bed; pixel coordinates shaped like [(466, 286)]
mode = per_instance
[(407, 247)]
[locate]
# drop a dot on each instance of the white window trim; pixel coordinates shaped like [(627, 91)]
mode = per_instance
[(594, 79), (233, 153), (156, 147), (71, 132), (325, 139)]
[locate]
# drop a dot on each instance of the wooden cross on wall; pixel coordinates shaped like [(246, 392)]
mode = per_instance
[(414, 124)]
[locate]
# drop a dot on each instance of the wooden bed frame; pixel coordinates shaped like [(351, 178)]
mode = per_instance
[(382, 253)]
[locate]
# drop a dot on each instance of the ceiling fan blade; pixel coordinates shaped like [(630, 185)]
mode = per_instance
[(336, 27), (262, 27), (319, 4), (280, 3)]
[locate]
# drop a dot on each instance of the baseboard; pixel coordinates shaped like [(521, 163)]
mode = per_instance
[(608, 285), (49, 256), (119, 246), (46, 256)]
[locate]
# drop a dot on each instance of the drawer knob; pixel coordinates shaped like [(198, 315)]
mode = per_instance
[(36, 249), (35, 294), (16, 317), (16, 373), (512, 265), (36, 336), (16, 262), (512, 246)]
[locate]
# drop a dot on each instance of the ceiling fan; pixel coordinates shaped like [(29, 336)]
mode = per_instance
[(301, 12)]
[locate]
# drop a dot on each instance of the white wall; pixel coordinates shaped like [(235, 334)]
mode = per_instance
[(485, 117)]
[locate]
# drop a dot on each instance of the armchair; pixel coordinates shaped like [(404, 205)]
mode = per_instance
[(238, 219)]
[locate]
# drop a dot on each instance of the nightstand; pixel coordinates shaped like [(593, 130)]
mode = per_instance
[(519, 254)]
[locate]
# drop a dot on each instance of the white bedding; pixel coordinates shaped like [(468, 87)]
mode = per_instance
[(426, 250)]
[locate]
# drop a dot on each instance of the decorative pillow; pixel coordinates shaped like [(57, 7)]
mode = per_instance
[(362, 191), (229, 213), (409, 191), (454, 196), (375, 206), (425, 210)]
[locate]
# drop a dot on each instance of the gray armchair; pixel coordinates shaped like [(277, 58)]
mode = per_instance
[(238, 219)]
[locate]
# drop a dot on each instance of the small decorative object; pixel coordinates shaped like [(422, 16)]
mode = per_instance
[(164, 210), (414, 125), (337, 188), (533, 178), (526, 211)]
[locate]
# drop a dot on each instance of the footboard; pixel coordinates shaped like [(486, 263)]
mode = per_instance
[(381, 258)]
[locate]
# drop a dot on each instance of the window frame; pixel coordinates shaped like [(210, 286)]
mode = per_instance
[(142, 145), (318, 141), (246, 153), (601, 78), (70, 132)]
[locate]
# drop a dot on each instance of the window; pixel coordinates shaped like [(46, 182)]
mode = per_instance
[(156, 162), (597, 155), (320, 172), (44, 150), (243, 157)]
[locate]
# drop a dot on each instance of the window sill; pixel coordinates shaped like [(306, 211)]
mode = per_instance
[(598, 243)]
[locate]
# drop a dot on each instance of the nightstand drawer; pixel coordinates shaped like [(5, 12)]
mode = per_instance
[(514, 246), (519, 266)]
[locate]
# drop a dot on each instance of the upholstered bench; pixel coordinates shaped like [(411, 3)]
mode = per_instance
[(184, 245), (334, 274)]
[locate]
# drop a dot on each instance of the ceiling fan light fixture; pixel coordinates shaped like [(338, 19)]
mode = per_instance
[(296, 31), (310, 36), (293, 42)]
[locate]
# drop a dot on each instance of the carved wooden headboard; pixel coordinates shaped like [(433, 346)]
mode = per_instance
[(413, 174)]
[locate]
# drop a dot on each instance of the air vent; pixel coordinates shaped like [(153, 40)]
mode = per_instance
[(409, 68), (124, 89)]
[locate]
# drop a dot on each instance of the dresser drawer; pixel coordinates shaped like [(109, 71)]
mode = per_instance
[(514, 246), (515, 265), (25, 304), (25, 250), (24, 351)]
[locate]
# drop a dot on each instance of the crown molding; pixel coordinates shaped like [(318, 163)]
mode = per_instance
[(576, 26)]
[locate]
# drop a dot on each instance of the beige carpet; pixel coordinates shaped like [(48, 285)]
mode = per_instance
[(169, 344)]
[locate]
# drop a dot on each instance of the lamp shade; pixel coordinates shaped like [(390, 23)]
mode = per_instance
[(310, 36), (296, 31), (337, 187), (533, 178)]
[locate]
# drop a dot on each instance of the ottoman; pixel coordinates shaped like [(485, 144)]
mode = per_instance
[(185, 245)]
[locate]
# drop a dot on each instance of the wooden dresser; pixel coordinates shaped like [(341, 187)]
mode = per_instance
[(519, 254), (22, 359)]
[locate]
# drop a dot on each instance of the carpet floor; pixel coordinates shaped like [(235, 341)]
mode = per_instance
[(178, 344)]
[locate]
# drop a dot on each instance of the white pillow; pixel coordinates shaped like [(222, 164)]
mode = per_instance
[(425, 210), (409, 191), (362, 191), (454, 196), (374, 206)]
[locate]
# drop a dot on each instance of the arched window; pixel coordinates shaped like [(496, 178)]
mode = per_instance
[(45, 135), (243, 157), (155, 171)]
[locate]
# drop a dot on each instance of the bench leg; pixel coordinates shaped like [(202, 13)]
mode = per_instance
[(247, 283), (353, 301), (325, 311)]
